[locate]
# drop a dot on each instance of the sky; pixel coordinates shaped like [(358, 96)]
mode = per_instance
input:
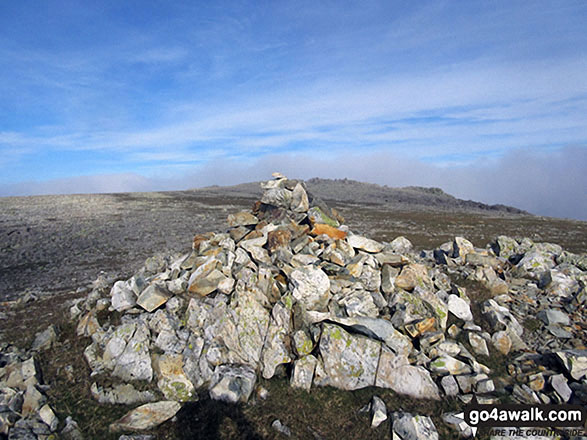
[(487, 100)]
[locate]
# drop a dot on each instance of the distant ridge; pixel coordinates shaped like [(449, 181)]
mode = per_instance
[(352, 191)]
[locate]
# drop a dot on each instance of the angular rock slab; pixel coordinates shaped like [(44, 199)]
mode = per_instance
[(146, 416), (364, 244), (232, 383), (348, 362), (303, 372), (575, 361), (153, 297)]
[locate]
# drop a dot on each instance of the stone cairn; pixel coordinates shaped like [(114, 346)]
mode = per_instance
[(289, 290)]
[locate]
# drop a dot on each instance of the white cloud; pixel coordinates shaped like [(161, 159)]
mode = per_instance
[(549, 184)]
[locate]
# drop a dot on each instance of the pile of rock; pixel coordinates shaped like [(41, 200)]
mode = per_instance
[(24, 411), (288, 290)]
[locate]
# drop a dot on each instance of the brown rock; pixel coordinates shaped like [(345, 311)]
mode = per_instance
[(331, 231), (199, 239), (278, 239)]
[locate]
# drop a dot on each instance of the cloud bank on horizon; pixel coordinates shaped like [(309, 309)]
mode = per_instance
[(486, 100)]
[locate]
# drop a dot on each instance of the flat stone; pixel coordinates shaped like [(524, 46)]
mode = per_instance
[(207, 284), (146, 416), (242, 218), (232, 383), (364, 243), (153, 297), (560, 385), (121, 394)]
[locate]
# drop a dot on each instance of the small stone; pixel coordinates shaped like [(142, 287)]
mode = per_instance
[(299, 199), (552, 316), (449, 385), (33, 400), (459, 307), (395, 373), (121, 394), (575, 362), (536, 382), (88, 325), (458, 423), (122, 297), (449, 365), (485, 386), (281, 428), (278, 239), (462, 247), (49, 418), (146, 416), (378, 412), (45, 339), (401, 245), (242, 218), (207, 284), (71, 430)]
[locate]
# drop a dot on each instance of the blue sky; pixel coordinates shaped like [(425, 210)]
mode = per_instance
[(146, 95)]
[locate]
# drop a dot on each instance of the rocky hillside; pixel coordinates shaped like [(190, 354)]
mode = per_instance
[(406, 198), (288, 293)]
